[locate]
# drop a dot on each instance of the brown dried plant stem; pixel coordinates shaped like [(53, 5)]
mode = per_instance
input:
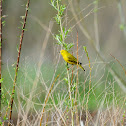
[(47, 100), (18, 59), (0, 50)]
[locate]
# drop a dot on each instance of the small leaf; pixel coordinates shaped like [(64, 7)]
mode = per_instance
[(66, 80), (1, 80), (7, 101), (24, 29), (22, 17), (5, 118), (17, 48), (3, 23), (84, 47), (122, 26), (13, 64), (95, 9)]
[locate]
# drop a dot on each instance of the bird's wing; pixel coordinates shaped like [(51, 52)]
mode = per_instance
[(72, 59)]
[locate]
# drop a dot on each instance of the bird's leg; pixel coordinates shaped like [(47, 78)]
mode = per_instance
[(67, 66)]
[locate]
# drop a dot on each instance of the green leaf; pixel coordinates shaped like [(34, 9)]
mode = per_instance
[(73, 87), (85, 48), (17, 48), (5, 118), (24, 29), (7, 101), (1, 80), (122, 26), (67, 31), (66, 79), (3, 23), (95, 9)]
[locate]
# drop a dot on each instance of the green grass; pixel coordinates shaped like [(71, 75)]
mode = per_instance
[(104, 91), (27, 75)]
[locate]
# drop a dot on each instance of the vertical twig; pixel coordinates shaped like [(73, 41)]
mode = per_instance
[(89, 88), (70, 97), (60, 21), (17, 65), (77, 122), (72, 73), (0, 51), (46, 99)]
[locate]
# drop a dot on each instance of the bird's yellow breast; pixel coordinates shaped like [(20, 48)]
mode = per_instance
[(65, 57)]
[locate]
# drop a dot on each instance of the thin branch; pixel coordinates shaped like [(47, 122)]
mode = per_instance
[(119, 63), (46, 100), (77, 121), (87, 114), (17, 65), (0, 51), (70, 97)]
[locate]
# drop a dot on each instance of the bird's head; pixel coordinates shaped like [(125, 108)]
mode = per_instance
[(63, 52)]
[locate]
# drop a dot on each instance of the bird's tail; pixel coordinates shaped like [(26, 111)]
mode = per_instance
[(81, 67)]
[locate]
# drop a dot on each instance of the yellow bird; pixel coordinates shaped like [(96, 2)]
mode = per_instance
[(70, 58)]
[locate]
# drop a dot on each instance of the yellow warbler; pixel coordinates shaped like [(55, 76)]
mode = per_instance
[(70, 58)]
